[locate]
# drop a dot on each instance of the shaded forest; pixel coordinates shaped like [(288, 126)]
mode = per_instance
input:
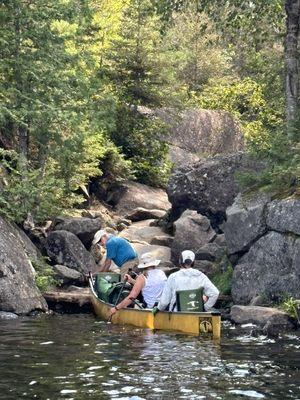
[(74, 72)]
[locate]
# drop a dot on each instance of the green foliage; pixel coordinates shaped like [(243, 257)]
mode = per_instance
[(139, 137), (222, 280), (45, 277), (291, 307)]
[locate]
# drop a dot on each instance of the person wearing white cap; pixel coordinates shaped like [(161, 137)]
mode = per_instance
[(118, 250), (187, 278), (150, 282)]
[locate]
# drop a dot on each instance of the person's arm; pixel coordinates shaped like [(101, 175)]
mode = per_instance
[(135, 291), (166, 296), (105, 266), (211, 292)]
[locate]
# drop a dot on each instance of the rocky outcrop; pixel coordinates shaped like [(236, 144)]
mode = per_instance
[(208, 186), (272, 320), (83, 228), (263, 234), (126, 197), (245, 222), (18, 292), (67, 276), (192, 231), (65, 248), (162, 253), (270, 268), (197, 133)]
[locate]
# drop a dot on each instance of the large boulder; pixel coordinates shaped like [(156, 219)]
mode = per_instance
[(284, 215), (271, 268), (65, 248), (140, 214), (162, 253), (245, 222), (208, 186), (196, 133), (272, 320), (192, 231), (127, 196), (83, 228), (18, 292)]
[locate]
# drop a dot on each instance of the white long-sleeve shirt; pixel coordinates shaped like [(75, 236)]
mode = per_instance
[(187, 279)]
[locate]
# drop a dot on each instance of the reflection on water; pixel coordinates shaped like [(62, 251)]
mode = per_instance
[(79, 357)]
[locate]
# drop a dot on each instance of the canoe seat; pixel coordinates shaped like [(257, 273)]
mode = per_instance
[(190, 300)]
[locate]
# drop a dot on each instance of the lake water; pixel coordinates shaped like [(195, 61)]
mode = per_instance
[(79, 357)]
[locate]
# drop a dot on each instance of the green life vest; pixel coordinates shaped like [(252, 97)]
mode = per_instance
[(190, 300)]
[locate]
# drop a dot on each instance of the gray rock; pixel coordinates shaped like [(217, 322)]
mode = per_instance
[(164, 240), (128, 196), (210, 252), (7, 315), (220, 240), (68, 275), (18, 291), (65, 248), (208, 186), (162, 253), (245, 222), (140, 214), (142, 231), (207, 267), (260, 316), (270, 269), (284, 215), (257, 301), (83, 228), (192, 231)]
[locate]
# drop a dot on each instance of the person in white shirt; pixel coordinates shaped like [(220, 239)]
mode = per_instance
[(187, 278), (150, 282)]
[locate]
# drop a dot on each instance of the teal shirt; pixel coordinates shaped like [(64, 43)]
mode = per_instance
[(119, 250)]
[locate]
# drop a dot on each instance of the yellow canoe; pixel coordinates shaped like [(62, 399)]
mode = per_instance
[(207, 324)]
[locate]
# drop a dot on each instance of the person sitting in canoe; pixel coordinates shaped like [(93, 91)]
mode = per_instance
[(150, 283), (118, 250), (187, 278)]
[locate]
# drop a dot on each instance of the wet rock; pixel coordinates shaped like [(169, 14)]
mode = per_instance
[(83, 228), (7, 315), (245, 222), (18, 291), (68, 275), (272, 320), (284, 216), (270, 269), (64, 248), (192, 231), (140, 214), (126, 197)]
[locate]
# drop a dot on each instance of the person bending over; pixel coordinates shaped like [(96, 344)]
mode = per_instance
[(118, 250), (187, 278), (150, 283)]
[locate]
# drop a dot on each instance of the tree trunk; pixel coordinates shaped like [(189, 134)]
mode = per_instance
[(292, 8)]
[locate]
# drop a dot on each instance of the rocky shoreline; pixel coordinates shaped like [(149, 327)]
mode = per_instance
[(248, 245)]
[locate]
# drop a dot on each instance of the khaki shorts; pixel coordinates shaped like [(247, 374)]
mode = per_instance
[(125, 267)]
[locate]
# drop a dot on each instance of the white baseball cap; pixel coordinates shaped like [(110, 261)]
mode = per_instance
[(147, 260), (188, 255), (98, 235)]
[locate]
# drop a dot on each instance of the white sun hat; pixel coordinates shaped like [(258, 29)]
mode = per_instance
[(98, 235), (188, 255), (147, 260)]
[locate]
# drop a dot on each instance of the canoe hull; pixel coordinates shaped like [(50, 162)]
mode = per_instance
[(204, 324)]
